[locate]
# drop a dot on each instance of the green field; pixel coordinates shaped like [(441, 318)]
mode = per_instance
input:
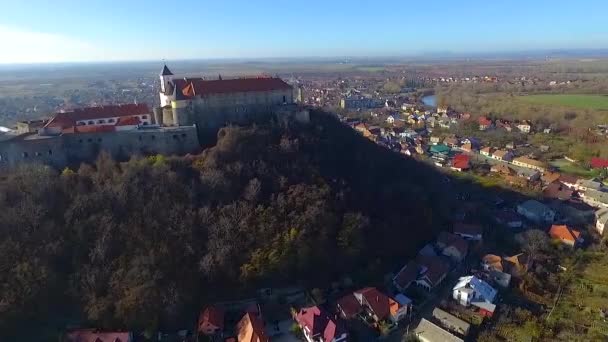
[(597, 102)]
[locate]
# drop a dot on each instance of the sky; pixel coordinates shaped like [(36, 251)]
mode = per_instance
[(43, 31)]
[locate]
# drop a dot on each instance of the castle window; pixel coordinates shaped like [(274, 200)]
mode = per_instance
[(98, 139), (90, 140), (153, 137), (81, 123), (110, 120), (175, 136), (284, 99), (183, 135), (80, 141), (91, 122), (38, 154), (101, 121), (144, 117), (50, 153), (24, 154)]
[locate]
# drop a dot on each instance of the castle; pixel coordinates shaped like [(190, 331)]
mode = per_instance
[(191, 108), (212, 103)]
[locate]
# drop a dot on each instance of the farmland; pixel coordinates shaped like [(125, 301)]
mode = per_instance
[(580, 101)]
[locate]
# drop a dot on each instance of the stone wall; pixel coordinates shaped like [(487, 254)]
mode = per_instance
[(68, 149)]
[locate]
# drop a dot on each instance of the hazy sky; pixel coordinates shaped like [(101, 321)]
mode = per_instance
[(34, 31)]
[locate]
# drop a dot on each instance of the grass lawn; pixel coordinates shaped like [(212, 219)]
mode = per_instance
[(573, 169), (597, 102)]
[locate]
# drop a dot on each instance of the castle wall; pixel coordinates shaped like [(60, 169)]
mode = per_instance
[(59, 151)]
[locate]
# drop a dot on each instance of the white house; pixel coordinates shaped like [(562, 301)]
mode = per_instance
[(595, 198), (601, 218), (390, 119), (524, 127), (471, 289)]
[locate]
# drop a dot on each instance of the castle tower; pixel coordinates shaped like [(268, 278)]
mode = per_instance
[(166, 86)]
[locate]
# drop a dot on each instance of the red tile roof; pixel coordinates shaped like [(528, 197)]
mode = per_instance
[(319, 323), (199, 87), (69, 118), (407, 275), (436, 268), (349, 306), (378, 302), (599, 163), (564, 232), (461, 161), (91, 335), (128, 121), (484, 121)]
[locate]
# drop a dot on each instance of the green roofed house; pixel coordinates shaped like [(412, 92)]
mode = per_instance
[(440, 149)]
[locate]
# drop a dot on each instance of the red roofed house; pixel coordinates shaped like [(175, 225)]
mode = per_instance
[(599, 163), (565, 234), (433, 271), (461, 163), (101, 116), (211, 321), (318, 326), (380, 306), (348, 306), (92, 335), (251, 329), (406, 276), (484, 123)]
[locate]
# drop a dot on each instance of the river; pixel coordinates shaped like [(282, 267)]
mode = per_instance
[(430, 101)]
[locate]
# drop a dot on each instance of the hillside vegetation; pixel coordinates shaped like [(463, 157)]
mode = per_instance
[(142, 245)]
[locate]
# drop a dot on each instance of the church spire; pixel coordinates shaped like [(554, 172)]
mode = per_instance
[(166, 71)]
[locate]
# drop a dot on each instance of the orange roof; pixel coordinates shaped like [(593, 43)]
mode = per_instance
[(564, 232), (493, 261), (251, 329), (69, 118), (128, 121), (377, 301)]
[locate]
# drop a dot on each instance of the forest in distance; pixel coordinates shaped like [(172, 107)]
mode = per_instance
[(143, 244)]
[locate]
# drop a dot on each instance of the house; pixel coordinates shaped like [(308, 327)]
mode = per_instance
[(94, 335), (536, 211), (588, 184), (251, 329), (471, 290), (502, 155), (484, 123), (510, 146), (467, 147), (429, 332), (390, 119), (380, 307), (406, 276), (503, 169), (549, 177), (524, 127), (557, 190), (565, 234), (493, 264), (433, 271), (471, 232), (435, 140), (530, 163), (508, 218), (531, 175), (452, 246), (348, 306), (318, 326), (211, 321), (451, 142), (601, 218), (451, 322), (461, 162), (568, 180), (362, 128), (440, 149), (594, 198), (486, 151), (599, 163)]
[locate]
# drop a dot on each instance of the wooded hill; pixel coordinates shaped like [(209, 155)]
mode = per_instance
[(143, 244)]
